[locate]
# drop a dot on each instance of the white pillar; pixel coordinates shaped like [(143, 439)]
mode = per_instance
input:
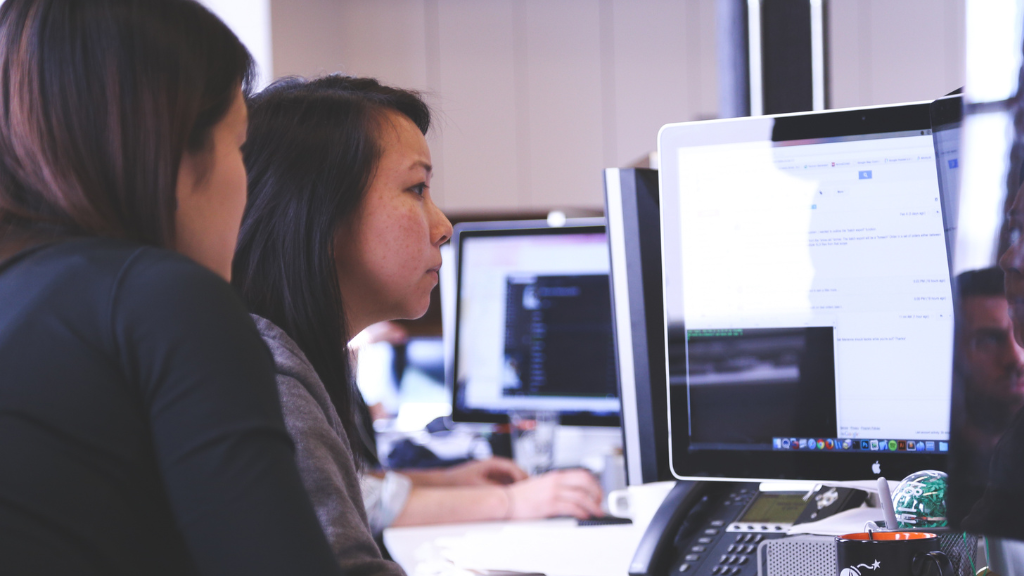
[(250, 21)]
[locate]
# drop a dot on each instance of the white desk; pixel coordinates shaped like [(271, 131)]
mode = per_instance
[(556, 547)]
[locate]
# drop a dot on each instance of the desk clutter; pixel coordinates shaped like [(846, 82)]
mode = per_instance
[(738, 529), (684, 528)]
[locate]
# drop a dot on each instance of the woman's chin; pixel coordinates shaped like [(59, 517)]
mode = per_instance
[(414, 311)]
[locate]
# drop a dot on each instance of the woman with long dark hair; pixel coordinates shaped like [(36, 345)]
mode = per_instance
[(141, 430), (340, 232)]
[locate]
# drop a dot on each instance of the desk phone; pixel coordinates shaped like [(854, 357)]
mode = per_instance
[(714, 528)]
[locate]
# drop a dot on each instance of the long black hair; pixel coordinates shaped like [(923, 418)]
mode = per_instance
[(99, 102), (312, 149)]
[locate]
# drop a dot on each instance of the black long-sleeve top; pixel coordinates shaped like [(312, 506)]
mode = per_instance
[(140, 429)]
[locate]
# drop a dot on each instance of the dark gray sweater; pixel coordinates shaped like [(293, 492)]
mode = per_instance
[(323, 456)]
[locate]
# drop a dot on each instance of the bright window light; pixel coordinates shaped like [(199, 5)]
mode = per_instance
[(994, 49)]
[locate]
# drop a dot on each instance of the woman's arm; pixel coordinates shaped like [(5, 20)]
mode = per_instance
[(492, 471), (560, 493), (328, 472)]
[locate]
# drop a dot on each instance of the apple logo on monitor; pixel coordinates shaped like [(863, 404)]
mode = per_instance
[(876, 468)]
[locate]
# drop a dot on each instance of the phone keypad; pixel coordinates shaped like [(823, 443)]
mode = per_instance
[(711, 547)]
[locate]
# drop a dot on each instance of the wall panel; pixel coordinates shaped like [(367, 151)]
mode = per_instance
[(475, 104), (563, 104), (885, 51), (385, 39)]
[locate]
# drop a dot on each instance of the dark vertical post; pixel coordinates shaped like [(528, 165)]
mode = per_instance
[(733, 64), (786, 56)]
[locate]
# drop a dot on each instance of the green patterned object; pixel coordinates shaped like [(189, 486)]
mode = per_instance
[(920, 500)]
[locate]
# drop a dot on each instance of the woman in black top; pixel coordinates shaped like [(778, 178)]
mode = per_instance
[(140, 431)]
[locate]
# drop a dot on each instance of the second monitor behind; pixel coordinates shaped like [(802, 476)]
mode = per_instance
[(533, 322)]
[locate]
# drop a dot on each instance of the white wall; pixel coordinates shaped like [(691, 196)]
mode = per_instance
[(533, 97), (889, 51), (250, 21)]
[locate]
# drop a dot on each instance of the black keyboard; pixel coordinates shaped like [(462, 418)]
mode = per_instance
[(603, 521)]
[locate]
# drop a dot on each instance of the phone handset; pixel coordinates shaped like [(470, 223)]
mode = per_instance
[(683, 503)]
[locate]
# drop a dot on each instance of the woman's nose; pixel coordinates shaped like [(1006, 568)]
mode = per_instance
[(1010, 261), (441, 227)]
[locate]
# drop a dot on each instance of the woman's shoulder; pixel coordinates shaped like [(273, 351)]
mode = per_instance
[(288, 357), (107, 274), (297, 380), (94, 259)]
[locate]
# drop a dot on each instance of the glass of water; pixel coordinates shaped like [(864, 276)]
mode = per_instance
[(533, 439)]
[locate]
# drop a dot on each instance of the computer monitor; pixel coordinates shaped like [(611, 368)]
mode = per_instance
[(533, 322), (809, 318), (634, 239)]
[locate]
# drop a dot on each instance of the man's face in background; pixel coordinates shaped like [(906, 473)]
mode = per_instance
[(992, 358)]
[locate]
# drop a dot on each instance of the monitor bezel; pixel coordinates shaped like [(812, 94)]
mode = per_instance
[(634, 240), (462, 231), (772, 465)]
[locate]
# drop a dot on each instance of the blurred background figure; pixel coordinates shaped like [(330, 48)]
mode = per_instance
[(990, 365), (991, 360)]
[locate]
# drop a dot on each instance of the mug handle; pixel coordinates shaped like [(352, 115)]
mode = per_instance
[(939, 558)]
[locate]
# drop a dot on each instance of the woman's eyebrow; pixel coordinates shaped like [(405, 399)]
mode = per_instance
[(422, 164)]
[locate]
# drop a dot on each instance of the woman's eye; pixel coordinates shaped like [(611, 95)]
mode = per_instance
[(419, 189), (1014, 235)]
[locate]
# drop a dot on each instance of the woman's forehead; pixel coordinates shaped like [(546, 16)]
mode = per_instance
[(404, 145)]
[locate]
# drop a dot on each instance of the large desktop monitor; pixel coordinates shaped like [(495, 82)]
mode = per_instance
[(809, 318), (533, 326)]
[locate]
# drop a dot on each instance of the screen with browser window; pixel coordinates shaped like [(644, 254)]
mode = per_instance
[(808, 297)]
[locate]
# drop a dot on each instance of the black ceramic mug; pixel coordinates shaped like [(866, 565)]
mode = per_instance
[(891, 554)]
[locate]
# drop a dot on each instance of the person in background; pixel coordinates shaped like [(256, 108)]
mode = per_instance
[(141, 428), (989, 364), (991, 361), (1000, 510), (340, 232)]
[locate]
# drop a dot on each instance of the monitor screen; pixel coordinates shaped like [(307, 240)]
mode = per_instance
[(533, 323), (807, 296)]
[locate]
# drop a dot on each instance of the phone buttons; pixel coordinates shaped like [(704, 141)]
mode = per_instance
[(684, 567), (718, 523), (692, 557), (711, 531), (704, 540)]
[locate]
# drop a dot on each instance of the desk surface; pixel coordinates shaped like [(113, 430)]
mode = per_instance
[(554, 547)]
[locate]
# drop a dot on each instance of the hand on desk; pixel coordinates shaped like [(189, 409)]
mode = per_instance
[(486, 472), (560, 493), (489, 472), (483, 493)]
